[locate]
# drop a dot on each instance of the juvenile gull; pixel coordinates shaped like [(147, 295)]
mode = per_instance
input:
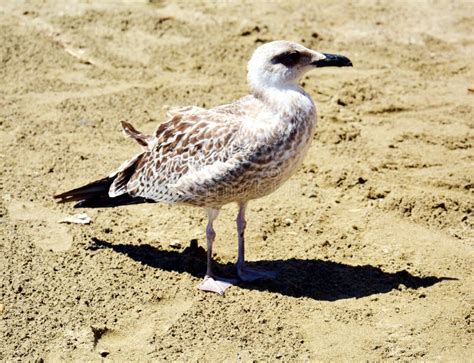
[(230, 153)]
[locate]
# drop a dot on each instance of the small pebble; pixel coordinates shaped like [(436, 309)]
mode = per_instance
[(175, 244), (104, 353)]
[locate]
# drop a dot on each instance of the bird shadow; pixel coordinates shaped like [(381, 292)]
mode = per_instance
[(315, 279)]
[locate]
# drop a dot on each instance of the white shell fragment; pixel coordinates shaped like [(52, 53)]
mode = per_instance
[(81, 218)]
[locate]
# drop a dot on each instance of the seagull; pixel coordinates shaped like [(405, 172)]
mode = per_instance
[(233, 153)]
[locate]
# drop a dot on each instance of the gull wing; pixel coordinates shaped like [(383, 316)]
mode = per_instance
[(191, 154)]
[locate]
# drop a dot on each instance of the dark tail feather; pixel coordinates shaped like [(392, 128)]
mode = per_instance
[(96, 195), (88, 191), (104, 201)]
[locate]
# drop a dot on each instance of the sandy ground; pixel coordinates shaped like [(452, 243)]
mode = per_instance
[(372, 238)]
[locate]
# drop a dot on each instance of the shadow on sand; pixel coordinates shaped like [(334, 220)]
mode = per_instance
[(316, 279)]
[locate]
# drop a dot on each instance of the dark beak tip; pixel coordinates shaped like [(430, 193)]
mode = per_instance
[(333, 60)]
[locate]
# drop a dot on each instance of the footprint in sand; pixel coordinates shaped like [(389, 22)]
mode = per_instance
[(136, 337)]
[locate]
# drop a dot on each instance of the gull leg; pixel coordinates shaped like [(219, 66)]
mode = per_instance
[(211, 282), (246, 273)]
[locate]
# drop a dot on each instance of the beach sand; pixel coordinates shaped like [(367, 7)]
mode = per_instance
[(372, 238)]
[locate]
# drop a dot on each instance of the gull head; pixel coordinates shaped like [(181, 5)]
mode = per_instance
[(281, 64)]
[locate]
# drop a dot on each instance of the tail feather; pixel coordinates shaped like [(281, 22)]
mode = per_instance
[(96, 195), (104, 201), (112, 190), (88, 191)]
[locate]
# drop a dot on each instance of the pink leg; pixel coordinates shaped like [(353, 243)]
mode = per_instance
[(246, 273), (211, 282)]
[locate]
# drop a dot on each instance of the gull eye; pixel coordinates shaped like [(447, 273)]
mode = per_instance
[(288, 59)]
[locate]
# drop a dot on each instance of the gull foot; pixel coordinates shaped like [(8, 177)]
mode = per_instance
[(249, 274), (215, 284)]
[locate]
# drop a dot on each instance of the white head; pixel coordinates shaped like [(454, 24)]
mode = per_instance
[(282, 63)]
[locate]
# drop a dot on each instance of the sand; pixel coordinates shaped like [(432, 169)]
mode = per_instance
[(372, 238)]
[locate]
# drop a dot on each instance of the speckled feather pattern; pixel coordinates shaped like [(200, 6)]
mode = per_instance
[(231, 153)]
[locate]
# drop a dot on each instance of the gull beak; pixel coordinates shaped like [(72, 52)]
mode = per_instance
[(331, 60)]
